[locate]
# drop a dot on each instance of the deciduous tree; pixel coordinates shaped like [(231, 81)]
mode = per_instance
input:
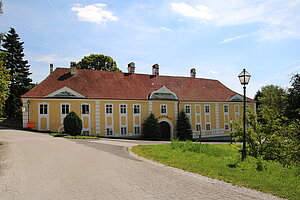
[(98, 62), (293, 106)]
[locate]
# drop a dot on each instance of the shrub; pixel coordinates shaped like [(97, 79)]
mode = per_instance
[(151, 128), (72, 124)]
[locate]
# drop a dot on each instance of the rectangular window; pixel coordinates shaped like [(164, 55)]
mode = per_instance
[(109, 131), (207, 109), (225, 108), (123, 130), (123, 109), (198, 127), (108, 109), (226, 126), (65, 109), (43, 109), (137, 130), (207, 127), (85, 109), (163, 109), (136, 109), (187, 109)]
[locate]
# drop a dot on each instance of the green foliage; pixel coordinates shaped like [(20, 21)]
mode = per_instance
[(4, 83), (72, 124), (19, 72), (271, 140), (267, 176), (98, 62), (293, 107), (150, 127), (183, 127)]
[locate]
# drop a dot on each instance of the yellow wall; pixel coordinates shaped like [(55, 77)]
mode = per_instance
[(54, 115)]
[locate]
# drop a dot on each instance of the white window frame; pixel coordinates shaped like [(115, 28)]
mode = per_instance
[(206, 125), (139, 109), (197, 127), (41, 115), (207, 106), (110, 130), (123, 109), (226, 125), (81, 108), (111, 107), (161, 109), (187, 107), (63, 115), (47, 108), (123, 130), (224, 110), (135, 130)]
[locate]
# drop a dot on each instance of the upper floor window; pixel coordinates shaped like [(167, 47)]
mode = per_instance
[(85, 109), (136, 109), (198, 127), (123, 109), (108, 109), (207, 109), (65, 109), (187, 109), (225, 108), (43, 109), (163, 109)]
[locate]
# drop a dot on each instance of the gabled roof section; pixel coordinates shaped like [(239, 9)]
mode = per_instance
[(163, 93), (236, 97), (94, 84), (65, 92)]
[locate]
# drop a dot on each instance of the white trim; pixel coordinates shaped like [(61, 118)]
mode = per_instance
[(134, 115), (84, 116), (236, 111), (236, 96), (112, 119), (150, 107), (171, 126), (226, 114), (40, 116), (126, 119), (97, 117), (217, 116), (65, 89)]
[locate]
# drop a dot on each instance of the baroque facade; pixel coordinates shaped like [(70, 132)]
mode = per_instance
[(115, 104)]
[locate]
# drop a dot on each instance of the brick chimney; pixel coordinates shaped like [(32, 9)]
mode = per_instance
[(131, 68), (193, 73), (155, 70), (51, 68), (73, 68)]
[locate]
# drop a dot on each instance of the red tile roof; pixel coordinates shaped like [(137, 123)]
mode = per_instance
[(117, 85)]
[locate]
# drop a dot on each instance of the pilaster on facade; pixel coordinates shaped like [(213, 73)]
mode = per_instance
[(97, 116), (217, 116), (25, 113), (150, 107), (136, 119), (123, 115)]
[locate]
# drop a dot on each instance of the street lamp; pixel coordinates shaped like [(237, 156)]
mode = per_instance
[(244, 77)]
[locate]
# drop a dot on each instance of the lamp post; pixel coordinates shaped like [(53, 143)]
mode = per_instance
[(244, 77)]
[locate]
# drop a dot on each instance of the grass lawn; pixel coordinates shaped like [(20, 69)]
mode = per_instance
[(223, 162)]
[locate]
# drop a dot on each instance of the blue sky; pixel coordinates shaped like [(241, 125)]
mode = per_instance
[(218, 38)]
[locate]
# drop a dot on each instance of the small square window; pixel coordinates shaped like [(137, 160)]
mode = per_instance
[(108, 109), (85, 109), (109, 131), (136, 109), (207, 127), (207, 109), (123, 109), (123, 130), (137, 130), (187, 109), (225, 108), (163, 109)]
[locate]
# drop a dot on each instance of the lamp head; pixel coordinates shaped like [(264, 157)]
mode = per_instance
[(244, 77)]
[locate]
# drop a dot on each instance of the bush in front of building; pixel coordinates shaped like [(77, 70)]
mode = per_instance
[(183, 127), (72, 124), (151, 128)]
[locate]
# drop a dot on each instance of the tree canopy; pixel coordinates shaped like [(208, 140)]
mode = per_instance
[(19, 72), (293, 106), (98, 62)]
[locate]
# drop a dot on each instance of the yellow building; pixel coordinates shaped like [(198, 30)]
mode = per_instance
[(115, 104)]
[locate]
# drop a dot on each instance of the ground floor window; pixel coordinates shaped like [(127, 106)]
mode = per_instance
[(123, 130), (109, 131), (207, 127), (137, 130), (226, 126), (198, 127)]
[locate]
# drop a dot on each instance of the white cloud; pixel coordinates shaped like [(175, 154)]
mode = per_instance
[(274, 19), (232, 39), (200, 12), (212, 72), (95, 13), (165, 28)]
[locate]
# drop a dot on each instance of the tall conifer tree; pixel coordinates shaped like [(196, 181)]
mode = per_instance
[(19, 71), (183, 127)]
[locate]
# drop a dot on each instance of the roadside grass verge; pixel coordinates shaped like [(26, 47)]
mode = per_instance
[(74, 137), (223, 162)]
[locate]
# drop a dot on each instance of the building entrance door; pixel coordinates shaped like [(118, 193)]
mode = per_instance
[(164, 130)]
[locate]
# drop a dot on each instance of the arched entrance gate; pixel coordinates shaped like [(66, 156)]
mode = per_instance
[(166, 129)]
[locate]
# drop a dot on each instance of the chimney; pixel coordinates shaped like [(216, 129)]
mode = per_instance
[(131, 68), (51, 68), (193, 73), (73, 68), (155, 70)]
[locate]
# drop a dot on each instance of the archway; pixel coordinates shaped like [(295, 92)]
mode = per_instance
[(165, 130)]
